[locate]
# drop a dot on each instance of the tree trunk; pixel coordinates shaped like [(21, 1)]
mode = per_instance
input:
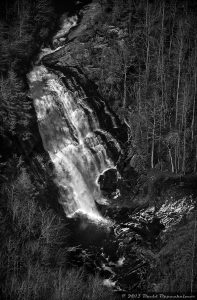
[(193, 255), (171, 160), (172, 32), (193, 110), (147, 41), (178, 83), (125, 86), (153, 137)]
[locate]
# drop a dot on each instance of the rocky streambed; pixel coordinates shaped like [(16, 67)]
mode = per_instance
[(126, 252)]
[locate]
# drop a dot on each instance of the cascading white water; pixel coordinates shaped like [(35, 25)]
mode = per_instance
[(68, 127), (68, 134)]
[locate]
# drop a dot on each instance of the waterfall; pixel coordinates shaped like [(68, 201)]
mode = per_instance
[(67, 126), (70, 127)]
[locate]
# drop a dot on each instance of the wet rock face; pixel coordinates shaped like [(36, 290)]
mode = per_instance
[(108, 181), (74, 79), (73, 37), (79, 130)]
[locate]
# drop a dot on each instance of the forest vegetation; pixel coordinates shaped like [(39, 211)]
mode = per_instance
[(146, 69), (145, 66), (34, 239)]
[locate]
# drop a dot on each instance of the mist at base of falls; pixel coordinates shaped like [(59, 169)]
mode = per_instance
[(68, 127)]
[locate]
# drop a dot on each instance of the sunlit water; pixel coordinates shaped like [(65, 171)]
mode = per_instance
[(68, 134)]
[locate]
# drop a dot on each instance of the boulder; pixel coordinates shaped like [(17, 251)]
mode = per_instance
[(108, 181)]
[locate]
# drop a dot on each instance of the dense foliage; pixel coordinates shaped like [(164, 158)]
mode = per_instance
[(34, 238), (24, 25), (142, 55), (176, 264), (34, 248)]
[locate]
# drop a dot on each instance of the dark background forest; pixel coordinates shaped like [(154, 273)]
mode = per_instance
[(146, 69)]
